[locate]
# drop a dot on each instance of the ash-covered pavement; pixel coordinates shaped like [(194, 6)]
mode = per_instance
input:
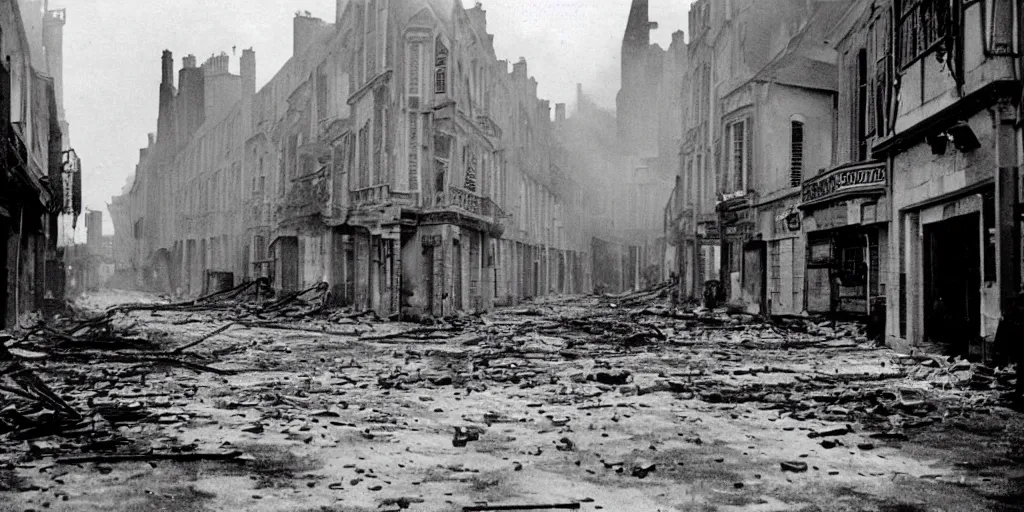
[(614, 403)]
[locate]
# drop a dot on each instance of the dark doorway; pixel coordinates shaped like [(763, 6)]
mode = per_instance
[(288, 252), (755, 278), (952, 283), (350, 274), (428, 267)]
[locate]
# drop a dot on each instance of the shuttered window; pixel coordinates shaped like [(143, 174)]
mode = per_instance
[(796, 154)]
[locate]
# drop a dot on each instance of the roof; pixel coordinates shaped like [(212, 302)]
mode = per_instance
[(809, 61)]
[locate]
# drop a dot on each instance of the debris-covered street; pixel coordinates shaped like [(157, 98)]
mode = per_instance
[(614, 403)]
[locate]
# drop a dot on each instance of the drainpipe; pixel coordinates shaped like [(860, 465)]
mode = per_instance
[(867, 287), (1008, 231), (17, 265)]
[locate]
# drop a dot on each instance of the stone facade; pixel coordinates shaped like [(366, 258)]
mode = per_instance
[(393, 156), (32, 143), (898, 197)]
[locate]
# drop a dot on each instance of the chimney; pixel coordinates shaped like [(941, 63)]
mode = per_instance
[(678, 38), (216, 65), (167, 68), (165, 121), (519, 68), (559, 112), (248, 71), (304, 31), (580, 101), (189, 62)]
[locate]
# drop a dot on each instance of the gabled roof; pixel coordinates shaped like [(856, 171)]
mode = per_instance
[(809, 61)]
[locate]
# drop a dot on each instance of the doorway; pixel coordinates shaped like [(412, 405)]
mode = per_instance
[(288, 252), (952, 283)]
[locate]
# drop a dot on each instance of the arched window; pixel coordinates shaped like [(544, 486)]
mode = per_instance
[(796, 153)]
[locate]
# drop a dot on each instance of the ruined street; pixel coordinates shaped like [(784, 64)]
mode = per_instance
[(616, 403)]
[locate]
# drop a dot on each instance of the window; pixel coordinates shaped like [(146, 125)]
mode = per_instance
[(371, 39), (469, 161), (259, 248), (883, 71), (796, 153), (415, 52), (364, 156), (321, 93), (442, 159), (440, 67), (414, 152), (738, 161), (923, 24), (380, 96), (860, 123)]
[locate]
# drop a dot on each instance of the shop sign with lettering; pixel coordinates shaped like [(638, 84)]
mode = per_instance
[(843, 181)]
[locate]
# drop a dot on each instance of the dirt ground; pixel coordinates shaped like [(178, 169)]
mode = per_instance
[(612, 405)]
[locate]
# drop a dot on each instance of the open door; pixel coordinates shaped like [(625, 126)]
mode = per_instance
[(952, 283), (754, 280)]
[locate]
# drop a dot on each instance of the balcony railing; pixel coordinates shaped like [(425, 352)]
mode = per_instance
[(370, 195), (307, 196), (461, 198), (471, 202)]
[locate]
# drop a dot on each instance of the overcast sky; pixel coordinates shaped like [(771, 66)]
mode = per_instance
[(112, 59)]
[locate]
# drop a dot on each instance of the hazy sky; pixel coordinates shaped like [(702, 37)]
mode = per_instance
[(112, 59)]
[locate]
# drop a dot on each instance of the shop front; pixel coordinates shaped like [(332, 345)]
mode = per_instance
[(736, 227), (846, 221)]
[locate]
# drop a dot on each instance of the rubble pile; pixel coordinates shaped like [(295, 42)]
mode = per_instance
[(156, 382)]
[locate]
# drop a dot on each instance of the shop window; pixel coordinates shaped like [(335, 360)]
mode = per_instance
[(796, 152), (819, 253), (853, 270)]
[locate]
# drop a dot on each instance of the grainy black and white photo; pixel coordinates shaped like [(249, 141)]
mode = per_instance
[(533, 255)]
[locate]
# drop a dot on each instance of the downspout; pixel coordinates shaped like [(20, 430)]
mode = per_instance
[(867, 287), (17, 265)]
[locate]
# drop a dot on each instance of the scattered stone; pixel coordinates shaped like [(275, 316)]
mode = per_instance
[(794, 467)]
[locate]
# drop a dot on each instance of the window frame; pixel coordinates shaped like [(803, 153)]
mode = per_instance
[(914, 9), (796, 126), (730, 140)]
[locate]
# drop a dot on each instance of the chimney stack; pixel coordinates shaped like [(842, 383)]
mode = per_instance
[(559, 112), (519, 68), (248, 71), (305, 29), (189, 62), (167, 68)]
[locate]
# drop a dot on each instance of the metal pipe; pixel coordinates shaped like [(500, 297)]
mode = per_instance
[(867, 280), (17, 264)]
